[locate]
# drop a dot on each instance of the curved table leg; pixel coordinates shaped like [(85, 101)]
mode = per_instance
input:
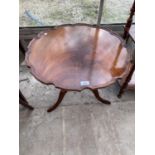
[(23, 101), (96, 93), (60, 98), (25, 104)]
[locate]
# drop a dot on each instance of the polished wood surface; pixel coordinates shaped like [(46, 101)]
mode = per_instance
[(77, 57)]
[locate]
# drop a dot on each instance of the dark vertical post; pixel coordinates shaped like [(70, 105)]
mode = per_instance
[(100, 12), (128, 78), (129, 21)]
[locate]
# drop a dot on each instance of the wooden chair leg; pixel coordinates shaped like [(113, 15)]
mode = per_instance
[(127, 80), (96, 94), (23, 101), (60, 98), (129, 21)]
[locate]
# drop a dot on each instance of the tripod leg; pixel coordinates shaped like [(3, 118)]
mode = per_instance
[(60, 98), (96, 93), (23, 101)]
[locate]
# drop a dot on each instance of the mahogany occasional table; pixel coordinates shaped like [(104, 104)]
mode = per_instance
[(77, 57)]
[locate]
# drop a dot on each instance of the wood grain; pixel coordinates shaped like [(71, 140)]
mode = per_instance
[(77, 57)]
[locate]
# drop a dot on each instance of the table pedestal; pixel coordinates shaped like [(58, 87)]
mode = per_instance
[(63, 93)]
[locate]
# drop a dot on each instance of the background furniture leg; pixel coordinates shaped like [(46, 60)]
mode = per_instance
[(96, 93), (125, 84), (60, 98)]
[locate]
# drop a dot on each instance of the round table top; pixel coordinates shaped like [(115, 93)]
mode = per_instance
[(77, 57)]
